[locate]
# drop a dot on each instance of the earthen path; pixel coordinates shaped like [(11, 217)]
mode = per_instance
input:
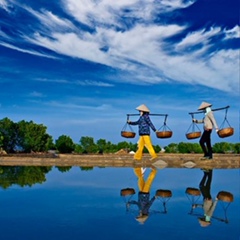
[(164, 160)]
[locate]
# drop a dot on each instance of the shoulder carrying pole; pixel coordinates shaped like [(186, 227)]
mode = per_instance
[(216, 109), (152, 114)]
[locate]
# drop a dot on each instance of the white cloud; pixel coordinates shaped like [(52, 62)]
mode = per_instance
[(77, 82), (93, 83), (175, 4), (76, 106), (197, 37), (109, 12), (36, 94), (12, 46), (5, 5), (72, 45), (51, 21), (233, 33), (139, 51), (219, 71)]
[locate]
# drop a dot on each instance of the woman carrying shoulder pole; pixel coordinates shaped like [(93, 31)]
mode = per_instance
[(144, 124), (209, 123)]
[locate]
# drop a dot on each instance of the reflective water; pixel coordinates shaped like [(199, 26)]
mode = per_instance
[(98, 203)]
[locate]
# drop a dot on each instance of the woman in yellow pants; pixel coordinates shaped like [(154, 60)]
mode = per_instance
[(144, 202), (144, 124)]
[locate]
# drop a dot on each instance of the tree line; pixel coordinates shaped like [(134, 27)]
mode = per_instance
[(27, 136), (28, 175)]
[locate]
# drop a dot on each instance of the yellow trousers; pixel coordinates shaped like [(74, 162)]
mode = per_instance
[(144, 186), (144, 141)]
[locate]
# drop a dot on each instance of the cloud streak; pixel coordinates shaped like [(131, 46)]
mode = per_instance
[(77, 82), (138, 48), (93, 61)]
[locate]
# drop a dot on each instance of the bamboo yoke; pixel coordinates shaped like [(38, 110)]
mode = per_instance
[(165, 132)]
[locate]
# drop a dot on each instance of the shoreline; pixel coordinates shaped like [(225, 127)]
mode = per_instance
[(164, 160)]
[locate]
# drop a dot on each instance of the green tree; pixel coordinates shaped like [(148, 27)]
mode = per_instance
[(108, 147), (104, 146), (123, 145), (1, 140), (182, 147), (88, 145), (50, 144), (78, 148), (101, 143), (221, 147), (172, 148), (33, 137), (157, 148), (9, 132), (64, 144), (237, 147), (189, 147)]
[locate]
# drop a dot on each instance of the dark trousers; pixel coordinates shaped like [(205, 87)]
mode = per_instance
[(205, 142), (205, 185)]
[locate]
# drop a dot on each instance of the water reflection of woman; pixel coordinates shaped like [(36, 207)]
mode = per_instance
[(144, 201), (209, 204)]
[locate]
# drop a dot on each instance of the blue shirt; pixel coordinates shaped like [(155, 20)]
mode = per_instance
[(144, 202), (144, 123)]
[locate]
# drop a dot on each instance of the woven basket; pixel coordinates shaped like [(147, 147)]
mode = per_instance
[(225, 132), (193, 135), (225, 196), (164, 134), (163, 193), (127, 191), (193, 191), (128, 134)]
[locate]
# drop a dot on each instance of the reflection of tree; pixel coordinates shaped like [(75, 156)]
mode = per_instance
[(22, 176), (86, 168), (64, 169)]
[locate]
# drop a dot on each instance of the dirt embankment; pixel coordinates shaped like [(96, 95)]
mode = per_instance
[(120, 159)]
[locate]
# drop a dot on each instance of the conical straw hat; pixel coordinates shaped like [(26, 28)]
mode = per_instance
[(143, 108), (203, 223), (142, 219), (204, 105)]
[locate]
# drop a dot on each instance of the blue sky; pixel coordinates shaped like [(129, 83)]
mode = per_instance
[(79, 67)]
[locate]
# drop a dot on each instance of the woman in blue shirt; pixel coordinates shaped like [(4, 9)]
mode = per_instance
[(144, 124)]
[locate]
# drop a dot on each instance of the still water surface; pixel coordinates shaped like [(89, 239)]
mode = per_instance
[(86, 203)]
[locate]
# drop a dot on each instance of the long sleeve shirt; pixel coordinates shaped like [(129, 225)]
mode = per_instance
[(144, 124), (208, 121), (144, 202), (209, 207)]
